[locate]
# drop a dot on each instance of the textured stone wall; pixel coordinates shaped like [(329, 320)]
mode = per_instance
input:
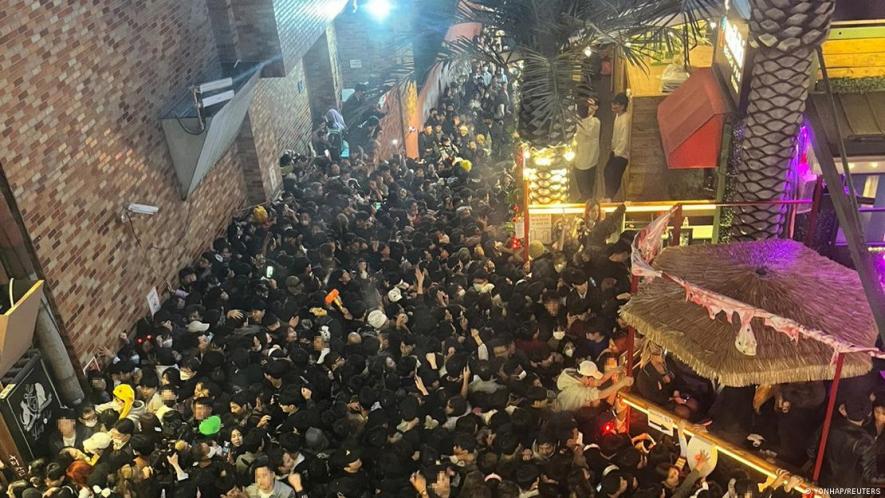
[(82, 87), (361, 39), (279, 120)]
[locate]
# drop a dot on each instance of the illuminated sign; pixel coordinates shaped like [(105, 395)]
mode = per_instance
[(735, 50)]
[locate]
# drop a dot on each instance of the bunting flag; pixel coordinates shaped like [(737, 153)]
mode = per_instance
[(647, 245)]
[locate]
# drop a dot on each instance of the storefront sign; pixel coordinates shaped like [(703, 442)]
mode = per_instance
[(541, 228), (733, 56), (735, 52)]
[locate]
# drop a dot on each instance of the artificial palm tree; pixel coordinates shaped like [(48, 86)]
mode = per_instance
[(548, 41), (785, 34)]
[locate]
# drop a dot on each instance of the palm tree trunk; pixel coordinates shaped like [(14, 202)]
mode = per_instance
[(785, 38)]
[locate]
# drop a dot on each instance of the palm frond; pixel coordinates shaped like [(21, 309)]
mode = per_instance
[(547, 39), (463, 50)]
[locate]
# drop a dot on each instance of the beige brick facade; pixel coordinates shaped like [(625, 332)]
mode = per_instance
[(82, 87)]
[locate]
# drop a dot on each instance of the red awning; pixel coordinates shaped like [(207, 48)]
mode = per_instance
[(691, 120)]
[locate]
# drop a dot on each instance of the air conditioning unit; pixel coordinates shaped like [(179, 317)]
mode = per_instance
[(203, 125)]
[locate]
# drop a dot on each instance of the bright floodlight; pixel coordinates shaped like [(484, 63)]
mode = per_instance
[(379, 9)]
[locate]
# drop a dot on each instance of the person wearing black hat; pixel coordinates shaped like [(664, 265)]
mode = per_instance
[(351, 480), (850, 456)]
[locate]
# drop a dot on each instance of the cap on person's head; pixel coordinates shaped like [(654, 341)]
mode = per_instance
[(377, 319), (293, 283), (31, 493), (66, 414), (589, 369), (275, 369), (527, 474), (315, 440), (536, 249), (288, 398), (395, 295), (197, 326), (345, 456), (125, 426), (536, 393), (97, 442), (858, 408), (211, 426)]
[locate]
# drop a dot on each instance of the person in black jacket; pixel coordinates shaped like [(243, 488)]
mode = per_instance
[(850, 456), (69, 433)]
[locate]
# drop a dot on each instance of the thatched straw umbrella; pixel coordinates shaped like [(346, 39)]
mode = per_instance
[(780, 276)]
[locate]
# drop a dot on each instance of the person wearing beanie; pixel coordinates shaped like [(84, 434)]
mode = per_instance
[(850, 457), (346, 463), (95, 446), (377, 319), (211, 426)]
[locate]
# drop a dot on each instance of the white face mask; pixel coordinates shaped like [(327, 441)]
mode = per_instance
[(558, 334), (569, 352), (522, 375)]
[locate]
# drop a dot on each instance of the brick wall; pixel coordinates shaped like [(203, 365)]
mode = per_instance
[(391, 126), (332, 42), (359, 39), (224, 27), (82, 85), (320, 78), (257, 35), (279, 119), (299, 23)]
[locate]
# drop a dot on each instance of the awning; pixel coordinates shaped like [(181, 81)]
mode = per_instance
[(861, 120), (691, 121)]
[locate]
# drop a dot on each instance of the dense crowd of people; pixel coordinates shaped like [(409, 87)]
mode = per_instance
[(377, 331)]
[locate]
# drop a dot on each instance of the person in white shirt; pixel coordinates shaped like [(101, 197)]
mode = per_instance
[(620, 154), (587, 151)]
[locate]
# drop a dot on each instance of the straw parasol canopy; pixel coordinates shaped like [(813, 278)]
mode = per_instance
[(780, 276)]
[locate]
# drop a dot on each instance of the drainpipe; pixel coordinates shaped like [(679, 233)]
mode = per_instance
[(55, 354)]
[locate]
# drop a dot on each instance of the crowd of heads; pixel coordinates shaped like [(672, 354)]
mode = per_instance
[(377, 330)]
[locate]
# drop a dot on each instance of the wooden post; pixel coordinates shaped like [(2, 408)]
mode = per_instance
[(678, 218), (525, 217), (631, 332), (828, 420), (791, 220)]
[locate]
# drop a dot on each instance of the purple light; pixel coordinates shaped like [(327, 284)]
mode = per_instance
[(800, 167), (879, 265)]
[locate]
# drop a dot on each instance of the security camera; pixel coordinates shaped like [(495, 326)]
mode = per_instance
[(142, 209)]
